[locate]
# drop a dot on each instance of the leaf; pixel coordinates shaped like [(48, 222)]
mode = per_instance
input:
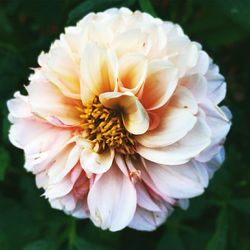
[(171, 241), (84, 244), (238, 11), (17, 226), (94, 6), (147, 6), (219, 239), (40, 245), (4, 162), (242, 204)]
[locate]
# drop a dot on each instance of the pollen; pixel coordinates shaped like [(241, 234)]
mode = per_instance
[(104, 127)]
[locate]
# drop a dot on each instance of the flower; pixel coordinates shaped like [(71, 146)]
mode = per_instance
[(121, 122)]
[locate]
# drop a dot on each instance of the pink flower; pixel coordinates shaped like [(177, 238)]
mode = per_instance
[(121, 121)]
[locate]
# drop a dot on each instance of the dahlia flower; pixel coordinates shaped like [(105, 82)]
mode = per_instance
[(121, 121)]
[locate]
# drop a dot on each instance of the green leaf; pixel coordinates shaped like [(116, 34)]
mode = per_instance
[(84, 244), (94, 6), (147, 6), (241, 204), (4, 162), (237, 11), (219, 239), (171, 241), (40, 245)]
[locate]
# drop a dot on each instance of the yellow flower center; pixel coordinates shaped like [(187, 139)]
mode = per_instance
[(104, 127)]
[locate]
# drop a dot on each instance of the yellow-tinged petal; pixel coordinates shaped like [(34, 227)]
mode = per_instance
[(134, 116), (98, 70), (160, 84), (132, 72)]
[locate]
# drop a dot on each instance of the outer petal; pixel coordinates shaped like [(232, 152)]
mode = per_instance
[(174, 125), (48, 102), (133, 40), (99, 72), (160, 84), (146, 220), (112, 200), (97, 163), (183, 181), (61, 69), (216, 84), (183, 98), (197, 84), (134, 116), (182, 151), (18, 107)]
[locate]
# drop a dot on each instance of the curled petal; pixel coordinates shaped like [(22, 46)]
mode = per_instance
[(134, 116), (97, 163)]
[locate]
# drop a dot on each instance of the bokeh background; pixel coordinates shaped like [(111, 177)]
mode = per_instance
[(218, 220)]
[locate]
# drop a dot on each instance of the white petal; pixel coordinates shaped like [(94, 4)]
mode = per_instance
[(112, 200), (182, 151), (47, 101), (97, 163), (132, 72), (133, 40), (182, 181), (99, 72), (160, 84), (184, 99), (174, 125), (145, 220), (197, 84)]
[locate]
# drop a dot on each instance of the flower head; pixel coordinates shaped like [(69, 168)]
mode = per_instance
[(121, 121)]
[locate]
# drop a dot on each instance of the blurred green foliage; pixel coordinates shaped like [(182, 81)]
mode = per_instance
[(218, 220)]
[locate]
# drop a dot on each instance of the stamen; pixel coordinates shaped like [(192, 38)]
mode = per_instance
[(104, 127)]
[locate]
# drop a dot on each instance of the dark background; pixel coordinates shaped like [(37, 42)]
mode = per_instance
[(218, 220)]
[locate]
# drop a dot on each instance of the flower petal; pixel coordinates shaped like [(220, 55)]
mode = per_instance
[(132, 72), (134, 116), (48, 102), (216, 84), (160, 84), (197, 84), (182, 181), (146, 220), (182, 151), (112, 200), (174, 125), (183, 98), (99, 72), (61, 69), (97, 163), (133, 40)]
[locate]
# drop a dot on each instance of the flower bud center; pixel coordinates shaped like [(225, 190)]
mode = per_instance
[(104, 127)]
